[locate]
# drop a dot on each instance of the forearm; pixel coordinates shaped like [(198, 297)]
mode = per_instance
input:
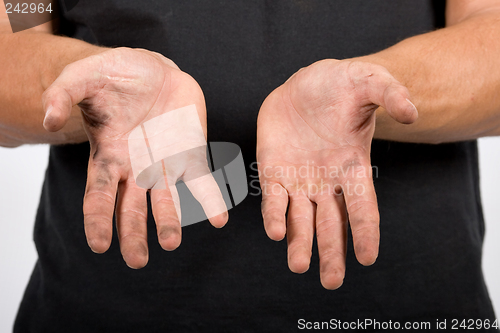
[(31, 61), (453, 75)]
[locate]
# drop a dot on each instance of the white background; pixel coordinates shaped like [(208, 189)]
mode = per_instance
[(21, 175)]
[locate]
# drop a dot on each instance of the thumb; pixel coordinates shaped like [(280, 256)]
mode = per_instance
[(384, 90), (57, 105), (69, 89), (396, 101)]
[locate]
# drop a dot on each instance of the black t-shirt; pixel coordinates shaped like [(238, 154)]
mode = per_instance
[(235, 279)]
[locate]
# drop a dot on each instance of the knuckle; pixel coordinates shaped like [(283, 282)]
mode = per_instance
[(301, 240), (299, 220), (169, 224), (133, 236), (97, 196), (94, 222), (296, 252), (332, 254), (133, 215), (165, 201), (367, 231), (363, 210), (272, 211), (326, 225)]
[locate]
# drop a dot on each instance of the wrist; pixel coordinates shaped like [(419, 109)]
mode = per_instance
[(74, 50)]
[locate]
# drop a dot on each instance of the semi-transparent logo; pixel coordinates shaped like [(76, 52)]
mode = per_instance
[(170, 152)]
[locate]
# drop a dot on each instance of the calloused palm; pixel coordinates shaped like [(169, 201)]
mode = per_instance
[(313, 152), (117, 91)]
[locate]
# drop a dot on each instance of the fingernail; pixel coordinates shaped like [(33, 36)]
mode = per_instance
[(413, 105), (47, 116)]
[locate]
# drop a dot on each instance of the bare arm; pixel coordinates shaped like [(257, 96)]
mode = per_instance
[(77, 91), (453, 75), (30, 61), (325, 116)]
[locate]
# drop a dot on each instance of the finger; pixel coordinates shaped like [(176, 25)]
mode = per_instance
[(361, 202), (274, 204), (206, 191), (131, 223), (384, 90), (300, 233), (99, 205), (164, 203), (331, 235), (396, 101), (69, 89)]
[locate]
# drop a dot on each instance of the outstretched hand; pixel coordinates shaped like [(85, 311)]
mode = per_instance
[(313, 151), (117, 91)]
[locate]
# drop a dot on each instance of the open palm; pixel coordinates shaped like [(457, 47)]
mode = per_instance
[(313, 152), (118, 91)]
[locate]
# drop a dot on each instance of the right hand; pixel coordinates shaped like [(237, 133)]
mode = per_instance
[(118, 90)]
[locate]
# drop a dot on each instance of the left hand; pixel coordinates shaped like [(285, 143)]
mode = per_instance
[(313, 151)]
